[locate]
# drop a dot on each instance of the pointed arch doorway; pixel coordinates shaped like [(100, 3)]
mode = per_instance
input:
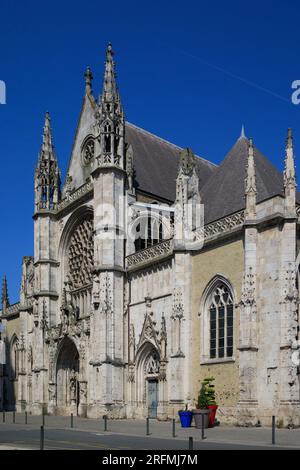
[(67, 377), (148, 379)]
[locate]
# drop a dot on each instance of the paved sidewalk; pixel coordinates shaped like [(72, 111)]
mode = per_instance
[(161, 430), (14, 447)]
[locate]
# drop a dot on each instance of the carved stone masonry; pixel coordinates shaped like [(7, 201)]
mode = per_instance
[(289, 302), (131, 344), (163, 339), (220, 226), (81, 255), (248, 288), (52, 392), (129, 166), (161, 250), (106, 301), (248, 334), (290, 293), (177, 316), (88, 151), (177, 308), (149, 333)]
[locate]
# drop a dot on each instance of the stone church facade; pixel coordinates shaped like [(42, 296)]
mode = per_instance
[(153, 269)]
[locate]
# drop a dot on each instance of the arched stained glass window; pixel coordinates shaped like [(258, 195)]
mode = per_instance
[(221, 323)]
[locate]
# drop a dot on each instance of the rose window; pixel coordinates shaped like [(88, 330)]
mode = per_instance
[(88, 151), (81, 255)]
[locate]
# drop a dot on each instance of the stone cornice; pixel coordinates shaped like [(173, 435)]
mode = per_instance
[(11, 311), (45, 213), (274, 219), (45, 293), (157, 297), (79, 195), (150, 255), (25, 307), (108, 267), (108, 168), (47, 261), (235, 223), (248, 348), (220, 228)]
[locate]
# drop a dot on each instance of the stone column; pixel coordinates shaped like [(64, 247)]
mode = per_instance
[(248, 347)]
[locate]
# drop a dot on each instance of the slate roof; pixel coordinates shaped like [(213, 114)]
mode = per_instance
[(224, 192), (156, 163)]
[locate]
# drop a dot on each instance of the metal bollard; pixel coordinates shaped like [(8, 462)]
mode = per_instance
[(14, 417), (202, 426), (191, 444), (173, 428), (105, 422), (147, 427), (42, 438), (3, 416), (273, 429), (26, 420), (72, 421)]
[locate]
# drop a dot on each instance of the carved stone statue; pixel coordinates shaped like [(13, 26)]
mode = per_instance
[(52, 391), (73, 380)]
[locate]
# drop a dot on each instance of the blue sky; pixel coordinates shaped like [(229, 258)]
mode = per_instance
[(192, 72)]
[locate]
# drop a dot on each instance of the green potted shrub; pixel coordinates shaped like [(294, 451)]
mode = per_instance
[(201, 408), (211, 399)]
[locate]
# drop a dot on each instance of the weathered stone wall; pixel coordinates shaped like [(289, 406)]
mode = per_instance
[(227, 260), (10, 382)]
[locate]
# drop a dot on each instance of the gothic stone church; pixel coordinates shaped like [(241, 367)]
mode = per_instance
[(205, 284)]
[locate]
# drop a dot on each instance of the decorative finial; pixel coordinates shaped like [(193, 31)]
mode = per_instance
[(47, 173), (110, 92), (250, 183), (289, 140), (88, 79), (187, 161), (4, 299), (289, 174), (243, 136), (47, 146)]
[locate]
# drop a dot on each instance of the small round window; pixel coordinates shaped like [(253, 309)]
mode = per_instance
[(88, 151)]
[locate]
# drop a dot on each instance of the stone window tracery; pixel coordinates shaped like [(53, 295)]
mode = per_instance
[(149, 230), (152, 364), (81, 255), (221, 323), (88, 151), (14, 353)]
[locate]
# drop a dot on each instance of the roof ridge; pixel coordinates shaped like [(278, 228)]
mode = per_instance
[(150, 134)]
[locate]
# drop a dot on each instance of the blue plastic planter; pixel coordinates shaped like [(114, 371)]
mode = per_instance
[(185, 418)]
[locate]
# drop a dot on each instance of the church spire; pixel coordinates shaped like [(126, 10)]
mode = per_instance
[(250, 184), (47, 147), (4, 298), (47, 174), (88, 80), (110, 148), (243, 135), (289, 174), (110, 91), (47, 150)]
